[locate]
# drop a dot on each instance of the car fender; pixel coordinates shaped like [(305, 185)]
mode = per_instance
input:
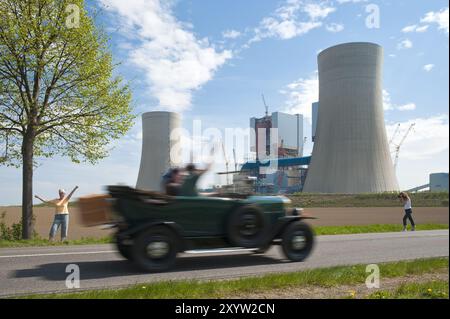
[(283, 222), (128, 234)]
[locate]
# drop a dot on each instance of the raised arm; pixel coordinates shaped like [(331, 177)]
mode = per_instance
[(211, 162), (43, 200), (71, 193)]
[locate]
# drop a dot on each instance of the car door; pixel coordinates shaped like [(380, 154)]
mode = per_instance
[(202, 216)]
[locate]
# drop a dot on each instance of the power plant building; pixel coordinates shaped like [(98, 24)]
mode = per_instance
[(290, 135), (289, 144), (351, 152), (439, 182)]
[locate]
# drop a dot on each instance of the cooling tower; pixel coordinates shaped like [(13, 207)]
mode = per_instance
[(351, 152), (156, 147)]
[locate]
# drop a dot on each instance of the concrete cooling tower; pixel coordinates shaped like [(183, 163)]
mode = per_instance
[(351, 152), (156, 146)]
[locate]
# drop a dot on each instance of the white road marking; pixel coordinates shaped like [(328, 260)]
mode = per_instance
[(61, 254)]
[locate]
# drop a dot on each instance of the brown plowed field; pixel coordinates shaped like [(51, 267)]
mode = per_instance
[(327, 217)]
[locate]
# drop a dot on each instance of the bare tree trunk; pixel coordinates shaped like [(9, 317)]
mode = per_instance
[(27, 186)]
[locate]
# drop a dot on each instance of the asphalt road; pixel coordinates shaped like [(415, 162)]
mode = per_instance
[(40, 270)]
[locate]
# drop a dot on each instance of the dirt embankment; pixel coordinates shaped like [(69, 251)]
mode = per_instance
[(326, 217)]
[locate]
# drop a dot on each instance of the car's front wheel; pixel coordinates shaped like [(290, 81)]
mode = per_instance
[(155, 249), (297, 241), (124, 250)]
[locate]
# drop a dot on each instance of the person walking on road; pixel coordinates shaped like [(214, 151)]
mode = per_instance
[(61, 213), (406, 200)]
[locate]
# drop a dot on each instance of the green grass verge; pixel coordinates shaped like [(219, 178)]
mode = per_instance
[(376, 228), (429, 290), (423, 199), (46, 242), (319, 230), (325, 277)]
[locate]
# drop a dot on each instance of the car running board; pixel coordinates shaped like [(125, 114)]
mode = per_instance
[(220, 250)]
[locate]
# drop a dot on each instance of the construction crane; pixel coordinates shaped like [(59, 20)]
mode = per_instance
[(397, 129), (235, 162), (265, 105), (226, 163), (399, 145), (305, 139)]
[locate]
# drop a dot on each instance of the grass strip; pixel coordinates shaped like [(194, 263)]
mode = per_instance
[(319, 230), (193, 289), (45, 242), (429, 290), (375, 228)]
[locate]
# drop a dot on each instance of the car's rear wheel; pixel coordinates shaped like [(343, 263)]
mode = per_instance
[(155, 249), (297, 241), (246, 227)]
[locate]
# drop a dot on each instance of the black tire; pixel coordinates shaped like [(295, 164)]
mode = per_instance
[(124, 250), (155, 249), (246, 227), (297, 241)]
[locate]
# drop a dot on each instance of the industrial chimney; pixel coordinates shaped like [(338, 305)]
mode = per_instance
[(351, 152), (157, 143)]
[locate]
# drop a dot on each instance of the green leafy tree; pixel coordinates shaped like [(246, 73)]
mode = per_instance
[(58, 93)]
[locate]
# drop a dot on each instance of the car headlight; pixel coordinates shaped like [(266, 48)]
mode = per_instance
[(285, 200)]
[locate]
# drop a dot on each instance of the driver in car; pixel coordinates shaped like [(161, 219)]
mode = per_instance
[(189, 185)]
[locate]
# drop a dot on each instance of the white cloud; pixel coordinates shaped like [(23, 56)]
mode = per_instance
[(392, 55), (440, 18), (301, 94), (429, 137), (407, 107), (285, 29), (231, 34), (425, 150), (405, 44), (388, 105), (318, 10), (174, 61), (428, 67), (334, 27), (350, 1), (410, 28), (292, 19), (415, 28), (422, 28)]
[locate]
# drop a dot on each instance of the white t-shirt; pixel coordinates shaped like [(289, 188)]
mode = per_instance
[(408, 204)]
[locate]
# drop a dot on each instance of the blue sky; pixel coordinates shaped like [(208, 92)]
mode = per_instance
[(211, 60)]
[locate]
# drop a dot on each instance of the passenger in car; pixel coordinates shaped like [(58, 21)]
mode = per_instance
[(173, 183)]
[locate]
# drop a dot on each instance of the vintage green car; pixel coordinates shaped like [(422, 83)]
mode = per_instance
[(153, 228)]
